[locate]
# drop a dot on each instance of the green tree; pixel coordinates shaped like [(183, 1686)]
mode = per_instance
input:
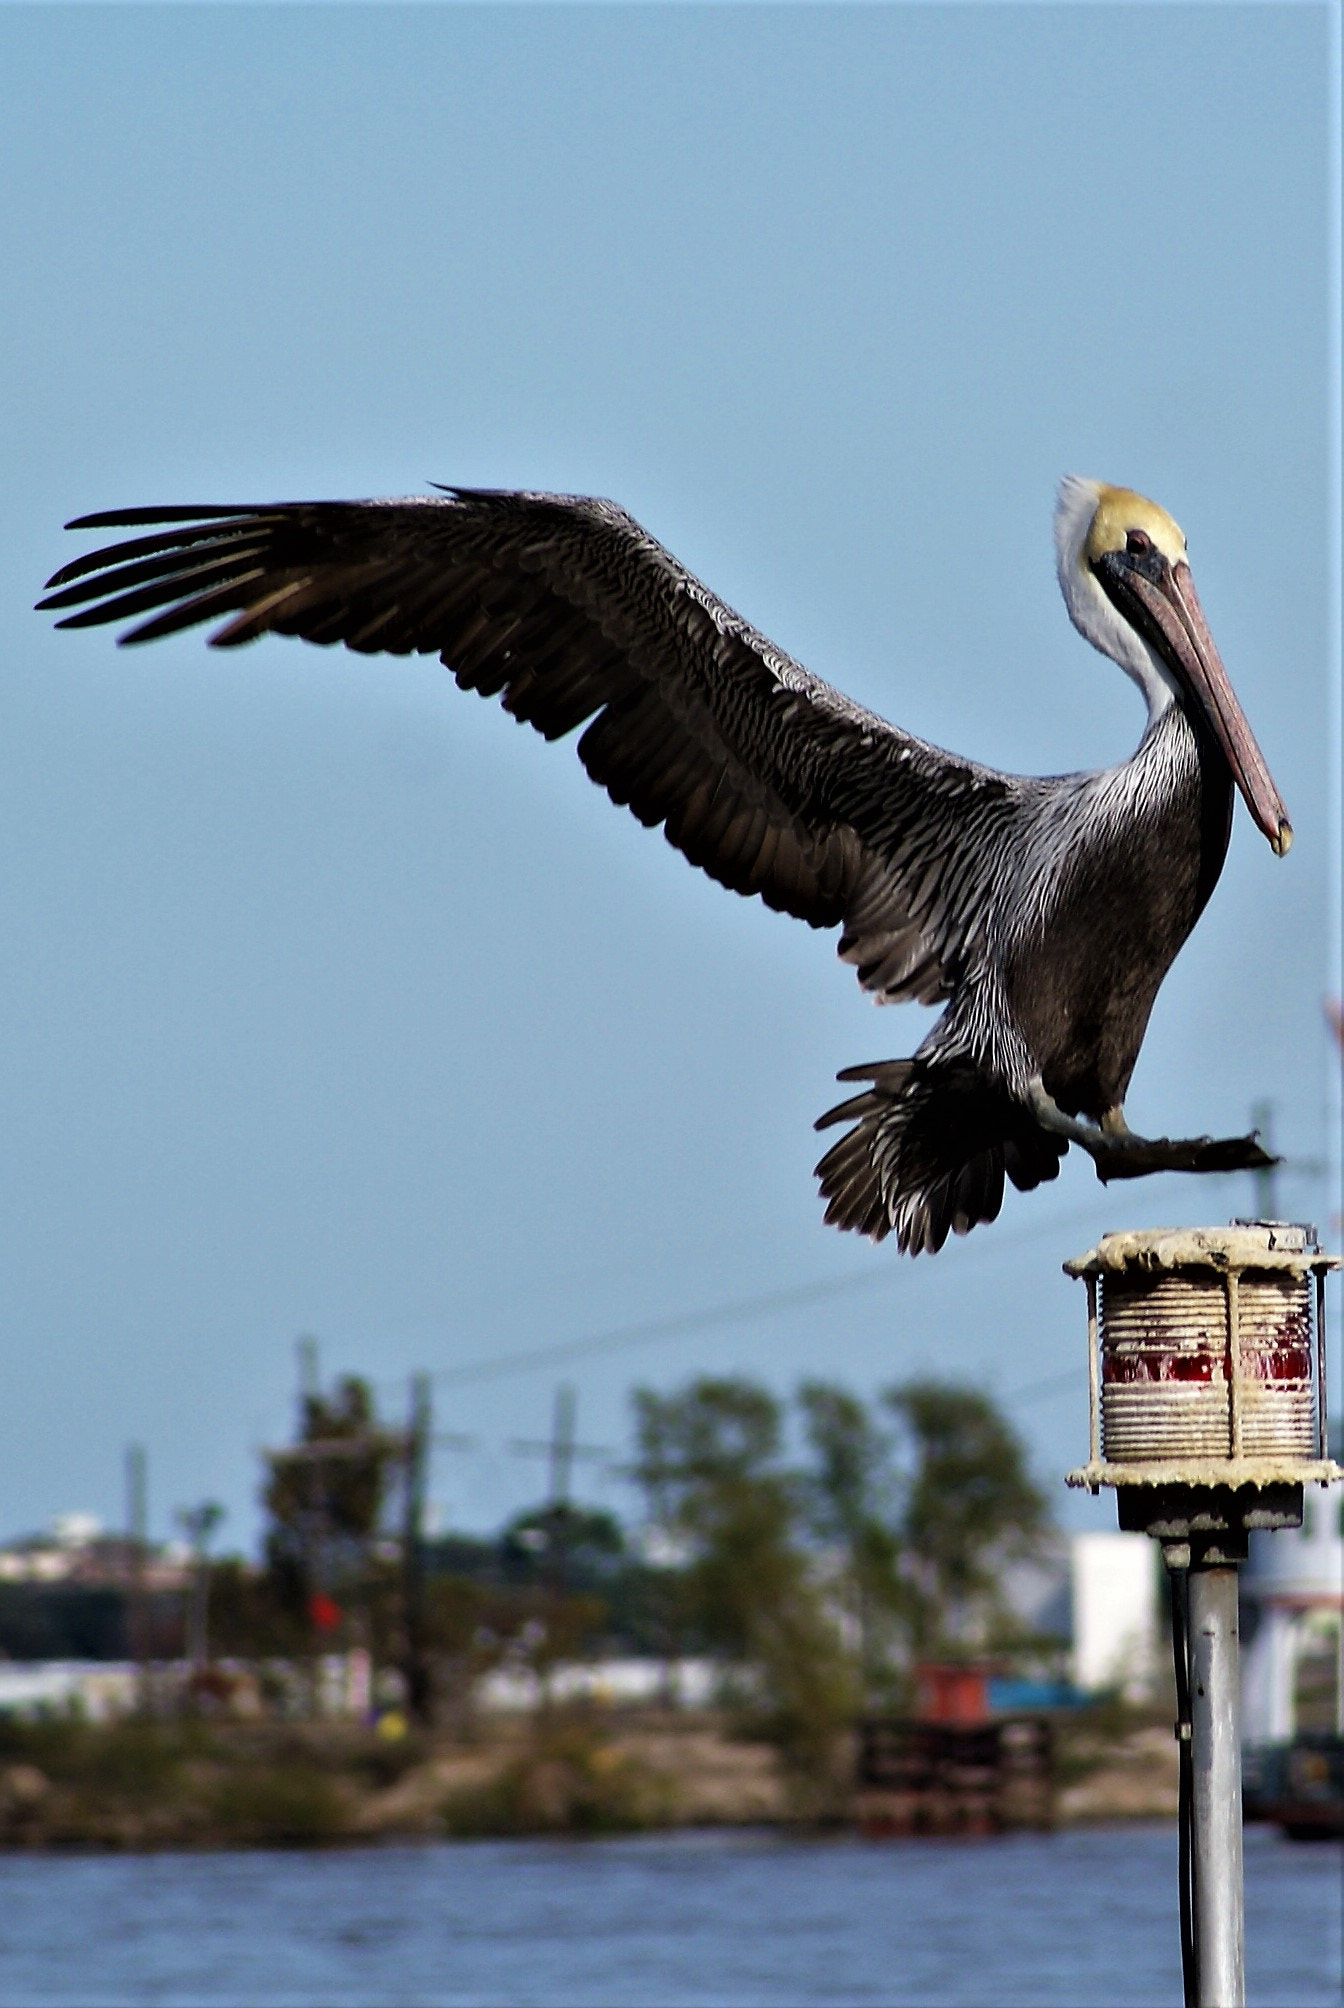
[(968, 1506), (709, 1464), (324, 1498), (854, 1500)]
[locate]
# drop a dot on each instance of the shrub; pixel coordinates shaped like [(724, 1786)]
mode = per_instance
[(291, 1805), (570, 1782)]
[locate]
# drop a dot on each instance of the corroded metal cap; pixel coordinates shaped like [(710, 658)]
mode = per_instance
[(1246, 1244)]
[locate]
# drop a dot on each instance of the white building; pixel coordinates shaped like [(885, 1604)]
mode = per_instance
[(76, 1548), (1293, 1624), (93, 1690), (679, 1683), (1114, 1582)]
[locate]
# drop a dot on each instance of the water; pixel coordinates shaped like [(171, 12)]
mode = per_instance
[(683, 1921)]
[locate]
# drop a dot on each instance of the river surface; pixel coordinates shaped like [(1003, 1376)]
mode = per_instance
[(1080, 1919)]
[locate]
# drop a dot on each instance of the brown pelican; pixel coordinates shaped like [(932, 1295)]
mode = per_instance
[(1043, 912)]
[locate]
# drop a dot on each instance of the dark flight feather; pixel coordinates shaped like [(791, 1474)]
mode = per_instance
[(564, 607)]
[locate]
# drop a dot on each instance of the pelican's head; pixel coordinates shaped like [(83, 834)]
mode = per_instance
[(1126, 582)]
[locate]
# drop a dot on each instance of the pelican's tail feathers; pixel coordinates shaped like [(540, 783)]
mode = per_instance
[(928, 1152)]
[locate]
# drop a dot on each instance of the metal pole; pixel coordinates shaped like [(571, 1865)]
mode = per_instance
[(310, 1380), (198, 1523), (137, 1541), (417, 1668), (1266, 1184), (1215, 1714), (1176, 1555), (562, 1464)]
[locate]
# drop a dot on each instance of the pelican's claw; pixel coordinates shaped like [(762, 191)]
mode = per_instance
[(1118, 1153)]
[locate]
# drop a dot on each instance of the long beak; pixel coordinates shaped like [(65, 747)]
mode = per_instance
[(1174, 610)]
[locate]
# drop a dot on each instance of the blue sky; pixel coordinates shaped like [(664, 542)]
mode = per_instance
[(333, 1001)]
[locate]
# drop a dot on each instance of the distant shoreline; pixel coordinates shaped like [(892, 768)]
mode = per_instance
[(208, 1785)]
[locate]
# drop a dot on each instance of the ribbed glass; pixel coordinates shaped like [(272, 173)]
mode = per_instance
[(1167, 1380)]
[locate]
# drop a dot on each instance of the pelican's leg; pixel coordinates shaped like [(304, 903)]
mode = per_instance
[(1118, 1153), (1051, 1117)]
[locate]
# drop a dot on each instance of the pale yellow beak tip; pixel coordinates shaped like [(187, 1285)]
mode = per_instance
[(1283, 842)]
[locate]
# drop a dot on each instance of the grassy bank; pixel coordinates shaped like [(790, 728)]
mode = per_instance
[(210, 1785)]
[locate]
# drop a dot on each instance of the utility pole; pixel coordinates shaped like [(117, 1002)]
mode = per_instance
[(310, 1384), (316, 1461), (416, 1666), (312, 1522), (562, 1451), (420, 1438), (137, 1521), (198, 1523), (1266, 1176), (562, 1444)]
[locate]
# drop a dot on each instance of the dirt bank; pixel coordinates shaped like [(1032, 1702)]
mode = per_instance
[(195, 1784)]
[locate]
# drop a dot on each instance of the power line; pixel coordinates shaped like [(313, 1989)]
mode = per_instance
[(1034, 1390), (674, 1326), (736, 1309), (499, 1366)]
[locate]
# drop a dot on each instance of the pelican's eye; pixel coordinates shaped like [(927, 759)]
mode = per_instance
[(1138, 543)]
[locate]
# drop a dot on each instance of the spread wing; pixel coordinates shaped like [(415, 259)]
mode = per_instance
[(567, 610)]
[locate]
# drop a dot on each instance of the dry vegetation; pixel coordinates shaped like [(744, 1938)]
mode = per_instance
[(194, 1784)]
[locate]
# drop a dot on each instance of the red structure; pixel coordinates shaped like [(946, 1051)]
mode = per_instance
[(952, 1693), (951, 1767)]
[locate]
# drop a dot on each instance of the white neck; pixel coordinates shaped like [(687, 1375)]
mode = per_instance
[(1089, 608)]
